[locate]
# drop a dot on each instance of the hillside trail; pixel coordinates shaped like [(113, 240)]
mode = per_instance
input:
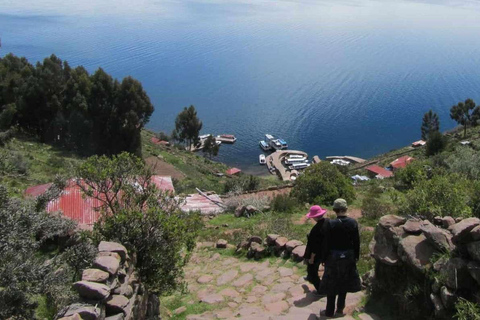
[(272, 289)]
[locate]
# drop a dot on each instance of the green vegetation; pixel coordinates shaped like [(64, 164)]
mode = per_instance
[(187, 127), (210, 147), (466, 114), (430, 124), (435, 144), (322, 183), (467, 310)]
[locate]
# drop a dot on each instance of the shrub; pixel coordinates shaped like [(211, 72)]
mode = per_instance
[(465, 161), (416, 171), (241, 184), (374, 208), (435, 143), (322, 183), (284, 203), (467, 310)]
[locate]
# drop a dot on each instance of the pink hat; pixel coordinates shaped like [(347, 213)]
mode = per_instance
[(316, 212)]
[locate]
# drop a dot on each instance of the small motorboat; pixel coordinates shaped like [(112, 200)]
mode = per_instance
[(265, 146), (261, 159)]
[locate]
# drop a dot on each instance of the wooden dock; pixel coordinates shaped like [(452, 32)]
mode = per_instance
[(275, 161)]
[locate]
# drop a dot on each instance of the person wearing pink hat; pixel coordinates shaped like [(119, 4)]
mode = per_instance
[(313, 252)]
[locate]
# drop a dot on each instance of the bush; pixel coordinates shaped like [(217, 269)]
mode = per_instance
[(322, 183), (284, 203), (241, 184), (415, 172), (435, 143), (373, 208), (467, 310), (465, 161)]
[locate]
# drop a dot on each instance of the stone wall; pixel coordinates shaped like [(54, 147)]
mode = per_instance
[(424, 267), (111, 289)]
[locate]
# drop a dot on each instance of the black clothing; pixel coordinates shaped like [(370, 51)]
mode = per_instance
[(312, 272), (342, 250), (315, 240), (331, 304)]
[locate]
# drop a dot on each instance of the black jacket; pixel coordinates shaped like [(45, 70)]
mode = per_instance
[(341, 234), (315, 240)]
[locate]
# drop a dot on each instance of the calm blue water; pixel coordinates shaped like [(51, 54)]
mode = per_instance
[(330, 77)]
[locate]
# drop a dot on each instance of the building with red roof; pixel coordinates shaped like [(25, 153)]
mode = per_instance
[(401, 162), (378, 172), (157, 141), (233, 171)]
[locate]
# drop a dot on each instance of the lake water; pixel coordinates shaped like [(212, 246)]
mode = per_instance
[(330, 77)]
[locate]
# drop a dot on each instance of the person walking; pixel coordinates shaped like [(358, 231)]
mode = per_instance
[(313, 251), (341, 253)]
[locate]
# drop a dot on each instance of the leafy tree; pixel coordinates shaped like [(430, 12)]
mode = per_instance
[(435, 144), (322, 183), (465, 113), (210, 147), (416, 171), (187, 126), (430, 123)]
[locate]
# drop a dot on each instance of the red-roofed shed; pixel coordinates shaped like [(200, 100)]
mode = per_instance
[(377, 170), (233, 171), (35, 191), (157, 141), (401, 162)]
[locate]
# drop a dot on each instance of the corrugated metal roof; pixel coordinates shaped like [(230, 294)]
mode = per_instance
[(155, 140), (233, 171), (380, 171), (164, 183), (35, 191), (197, 202), (401, 162)]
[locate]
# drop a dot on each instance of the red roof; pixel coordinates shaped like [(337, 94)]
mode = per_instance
[(85, 210), (233, 171), (380, 171), (155, 140), (197, 202), (401, 162)]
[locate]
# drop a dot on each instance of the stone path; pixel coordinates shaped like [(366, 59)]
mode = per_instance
[(270, 289)]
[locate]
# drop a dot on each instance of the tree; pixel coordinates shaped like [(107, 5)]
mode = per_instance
[(465, 113), (322, 183), (210, 147), (187, 126), (430, 123), (435, 144)]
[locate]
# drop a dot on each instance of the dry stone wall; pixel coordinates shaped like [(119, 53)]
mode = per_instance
[(111, 289), (435, 263)]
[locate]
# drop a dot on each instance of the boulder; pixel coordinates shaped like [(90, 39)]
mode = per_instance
[(475, 233), (391, 220), (474, 269), (92, 290), (438, 221), (438, 306), (448, 297), (383, 247), (95, 275), (116, 304), (250, 210), (260, 252), (221, 244), (256, 239), (271, 239), (118, 316), (412, 227), (239, 211), (280, 243), (456, 274), (447, 222), (110, 254), (292, 244), (439, 238), (85, 311), (76, 316), (106, 246), (298, 253), (474, 250), (461, 230), (243, 245), (107, 263), (416, 251)]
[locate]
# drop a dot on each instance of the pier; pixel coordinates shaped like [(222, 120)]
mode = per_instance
[(274, 162)]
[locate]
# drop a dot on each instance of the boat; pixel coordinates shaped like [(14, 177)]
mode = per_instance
[(268, 138), (275, 144), (299, 166), (295, 156), (204, 136), (283, 144), (296, 160), (227, 138), (265, 146), (261, 159)]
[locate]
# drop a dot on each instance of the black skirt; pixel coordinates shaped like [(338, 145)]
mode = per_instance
[(340, 274)]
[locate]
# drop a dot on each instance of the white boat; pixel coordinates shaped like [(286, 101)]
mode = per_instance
[(204, 136), (268, 138), (295, 156), (299, 166), (296, 160), (227, 138), (275, 144), (283, 144), (261, 159), (265, 146)]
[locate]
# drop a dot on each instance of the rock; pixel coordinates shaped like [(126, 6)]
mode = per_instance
[(116, 304), (251, 210), (292, 244), (448, 298), (271, 239), (461, 230), (92, 290), (412, 227), (416, 251), (438, 221), (475, 233), (474, 250), (95, 275), (239, 211), (260, 252), (439, 238), (383, 246), (107, 263), (298, 253), (456, 274), (180, 310), (229, 292), (438, 306), (436, 285), (243, 280), (243, 245), (365, 316), (110, 254), (86, 311), (204, 279), (118, 316), (277, 308), (221, 244), (474, 269), (266, 208), (447, 222), (76, 316), (439, 264), (106, 246), (391, 220), (227, 277), (285, 272), (212, 299), (280, 243), (256, 239)]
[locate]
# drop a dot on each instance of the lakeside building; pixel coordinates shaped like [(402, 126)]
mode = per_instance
[(378, 172), (401, 162)]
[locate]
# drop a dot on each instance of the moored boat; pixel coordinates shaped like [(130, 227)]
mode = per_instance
[(227, 138), (261, 159), (265, 146)]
